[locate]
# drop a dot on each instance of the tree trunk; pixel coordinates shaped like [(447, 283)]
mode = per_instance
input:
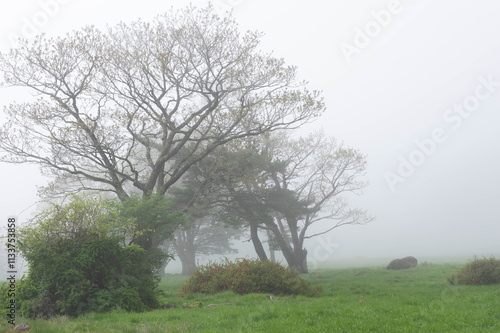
[(299, 263), (188, 261), (158, 244), (271, 250), (257, 244), (299, 253), (295, 257), (161, 270)]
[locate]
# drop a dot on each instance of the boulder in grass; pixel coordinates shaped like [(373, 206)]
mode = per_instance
[(21, 328), (411, 260), (403, 263)]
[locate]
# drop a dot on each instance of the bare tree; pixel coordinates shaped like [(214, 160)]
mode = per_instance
[(310, 178), (115, 107), (286, 186)]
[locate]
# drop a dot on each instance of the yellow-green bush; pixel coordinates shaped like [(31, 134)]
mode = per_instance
[(478, 272)]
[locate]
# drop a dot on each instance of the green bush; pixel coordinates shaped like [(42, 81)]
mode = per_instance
[(247, 276), (77, 264), (97, 276), (478, 272)]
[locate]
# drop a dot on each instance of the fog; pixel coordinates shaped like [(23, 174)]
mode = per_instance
[(414, 85)]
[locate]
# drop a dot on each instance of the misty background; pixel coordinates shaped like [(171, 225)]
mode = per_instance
[(393, 74)]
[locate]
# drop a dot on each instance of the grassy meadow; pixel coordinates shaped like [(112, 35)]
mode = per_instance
[(355, 300)]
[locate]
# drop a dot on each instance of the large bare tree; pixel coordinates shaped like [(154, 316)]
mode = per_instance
[(114, 108)]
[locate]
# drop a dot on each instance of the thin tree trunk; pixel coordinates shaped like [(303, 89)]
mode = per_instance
[(257, 244), (271, 250), (285, 248)]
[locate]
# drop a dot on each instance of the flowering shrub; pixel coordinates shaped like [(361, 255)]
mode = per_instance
[(478, 272), (247, 276)]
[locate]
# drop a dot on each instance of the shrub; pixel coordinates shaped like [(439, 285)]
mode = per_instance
[(77, 264), (247, 276), (478, 272), (426, 264)]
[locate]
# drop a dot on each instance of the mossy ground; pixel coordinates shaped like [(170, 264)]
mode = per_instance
[(354, 300)]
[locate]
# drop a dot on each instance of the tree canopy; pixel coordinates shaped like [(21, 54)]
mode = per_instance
[(135, 108), (115, 107), (286, 186)]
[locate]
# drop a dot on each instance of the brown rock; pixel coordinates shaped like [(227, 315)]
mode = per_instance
[(404, 263), (411, 260), (21, 328)]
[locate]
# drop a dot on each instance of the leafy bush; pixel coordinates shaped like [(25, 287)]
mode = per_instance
[(426, 264), (247, 276), (77, 264), (478, 272), (153, 218)]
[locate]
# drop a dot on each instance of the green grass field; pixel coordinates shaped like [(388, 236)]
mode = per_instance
[(354, 300)]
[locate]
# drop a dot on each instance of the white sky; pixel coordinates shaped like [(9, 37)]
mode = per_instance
[(421, 60)]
